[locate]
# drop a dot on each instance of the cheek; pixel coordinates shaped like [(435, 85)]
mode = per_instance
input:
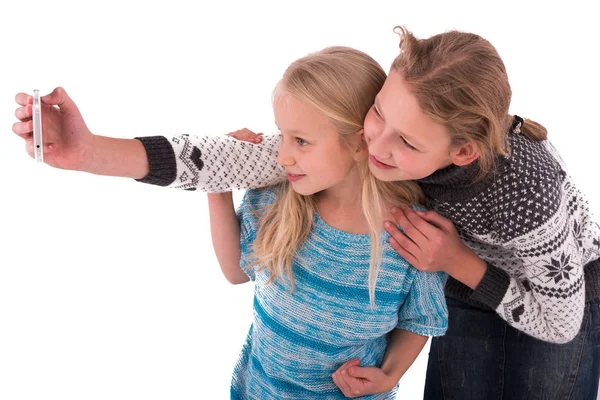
[(370, 125), (406, 161)]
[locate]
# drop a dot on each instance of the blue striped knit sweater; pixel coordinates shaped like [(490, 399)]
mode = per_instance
[(298, 339)]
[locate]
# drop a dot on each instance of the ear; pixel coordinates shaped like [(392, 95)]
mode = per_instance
[(464, 154), (359, 149)]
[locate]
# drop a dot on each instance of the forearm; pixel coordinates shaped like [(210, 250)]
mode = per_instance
[(225, 234), (212, 164), (468, 269), (402, 351), (530, 305), (117, 157)]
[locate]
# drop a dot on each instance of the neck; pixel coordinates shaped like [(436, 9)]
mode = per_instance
[(346, 195), (341, 206)]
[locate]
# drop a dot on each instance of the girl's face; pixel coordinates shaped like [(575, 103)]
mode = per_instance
[(404, 143), (310, 149)]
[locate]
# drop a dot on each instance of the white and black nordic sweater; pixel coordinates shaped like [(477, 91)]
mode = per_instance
[(529, 221)]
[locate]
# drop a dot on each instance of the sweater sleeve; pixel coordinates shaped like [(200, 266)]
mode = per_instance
[(424, 311), (212, 164), (546, 299)]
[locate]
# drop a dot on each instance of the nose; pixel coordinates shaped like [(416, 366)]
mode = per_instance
[(378, 144), (284, 158)]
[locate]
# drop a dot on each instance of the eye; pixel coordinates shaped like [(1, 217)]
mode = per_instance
[(376, 111), (301, 142), (410, 146)]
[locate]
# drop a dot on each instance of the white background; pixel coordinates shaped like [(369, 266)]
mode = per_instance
[(109, 288)]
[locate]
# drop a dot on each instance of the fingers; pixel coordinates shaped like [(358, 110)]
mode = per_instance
[(343, 381), (246, 135), (408, 256), (23, 129), (436, 219), (24, 113), (48, 147), (60, 98), (29, 148), (413, 226), (401, 240), (368, 373), (23, 99), (355, 387)]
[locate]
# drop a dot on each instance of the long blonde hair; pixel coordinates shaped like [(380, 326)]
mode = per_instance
[(461, 82), (341, 83)]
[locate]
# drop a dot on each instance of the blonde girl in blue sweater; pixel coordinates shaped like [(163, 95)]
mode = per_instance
[(330, 292)]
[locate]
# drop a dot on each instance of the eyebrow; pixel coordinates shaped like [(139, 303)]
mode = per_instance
[(294, 131), (410, 138)]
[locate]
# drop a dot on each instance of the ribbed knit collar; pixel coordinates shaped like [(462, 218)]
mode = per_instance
[(456, 183)]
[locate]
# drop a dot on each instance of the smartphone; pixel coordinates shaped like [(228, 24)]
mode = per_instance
[(38, 146)]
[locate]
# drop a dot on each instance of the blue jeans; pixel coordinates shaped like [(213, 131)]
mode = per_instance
[(481, 357)]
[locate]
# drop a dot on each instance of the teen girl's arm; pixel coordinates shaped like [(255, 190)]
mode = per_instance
[(225, 234), (206, 163), (212, 164), (547, 299)]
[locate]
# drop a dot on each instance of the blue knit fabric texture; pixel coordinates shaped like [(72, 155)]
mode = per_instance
[(299, 338)]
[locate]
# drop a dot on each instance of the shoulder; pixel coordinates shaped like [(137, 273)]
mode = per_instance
[(534, 163), (261, 197), (532, 174), (530, 187), (255, 203)]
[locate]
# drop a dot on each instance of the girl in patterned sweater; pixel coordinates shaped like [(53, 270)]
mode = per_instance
[(510, 227), (507, 224), (328, 294)]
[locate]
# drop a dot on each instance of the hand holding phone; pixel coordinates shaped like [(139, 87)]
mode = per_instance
[(38, 145)]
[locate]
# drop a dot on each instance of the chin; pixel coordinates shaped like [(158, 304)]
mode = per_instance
[(381, 175), (303, 191)]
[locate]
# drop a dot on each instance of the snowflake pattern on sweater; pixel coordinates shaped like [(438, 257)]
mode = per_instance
[(535, 230)]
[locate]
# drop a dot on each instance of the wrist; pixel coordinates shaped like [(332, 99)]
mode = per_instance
[(468, 268), (103, 155), (90, 155), (393, 374)]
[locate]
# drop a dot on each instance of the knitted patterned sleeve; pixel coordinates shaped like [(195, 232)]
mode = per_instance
[(535, 278), (212, 164)]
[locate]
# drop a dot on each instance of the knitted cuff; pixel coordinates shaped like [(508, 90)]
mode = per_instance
[(492, 288), (161, 157), (592, 280)]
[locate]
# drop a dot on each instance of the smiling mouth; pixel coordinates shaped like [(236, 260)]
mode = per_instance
[(379, 164), (294, 177)]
